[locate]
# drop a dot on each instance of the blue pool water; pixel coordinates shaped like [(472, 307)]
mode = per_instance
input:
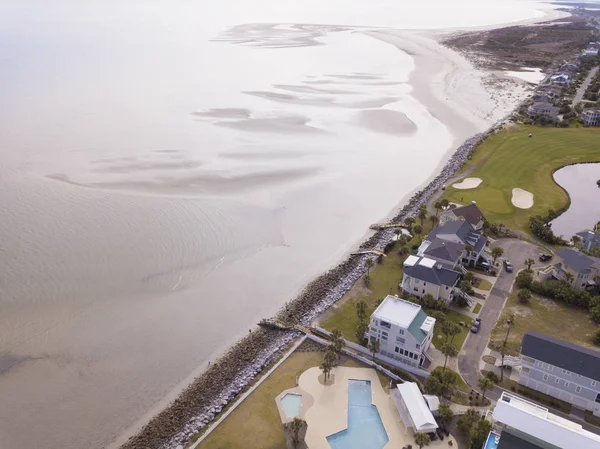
[(291, 404), (491, 441), (365, 429)]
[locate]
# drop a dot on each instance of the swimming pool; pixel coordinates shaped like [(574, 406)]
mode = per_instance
[(365, 429), (291, 404), (492, 441)]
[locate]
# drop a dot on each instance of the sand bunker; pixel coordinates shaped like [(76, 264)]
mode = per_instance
[(522, 198), (467, 183)]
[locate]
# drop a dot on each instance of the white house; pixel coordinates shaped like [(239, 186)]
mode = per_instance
[(520, 423), (422, 276), (591, 116), (403, 330), (560, 79), (413, 408)]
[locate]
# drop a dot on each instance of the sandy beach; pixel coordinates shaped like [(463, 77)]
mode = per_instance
[(182, 207)]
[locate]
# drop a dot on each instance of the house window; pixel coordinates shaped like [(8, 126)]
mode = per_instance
[(527, 359), (401, 331), (446, 287), (423, 291), (385, 324), (418, 346), (424, 283), (545, 377), (567, 384), (400, 340), (577, 389), (598, 398), (397, 349), (417, 281), (525, 370), (557, 380), (593, 383)]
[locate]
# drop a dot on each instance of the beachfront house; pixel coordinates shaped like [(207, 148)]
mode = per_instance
[(461, 232), (590, 51), (521, 424), (590, 240), (403, 330), (562, 370), (591, 116), (584, 269), (542, 109), (422, 276), (470, 213), (561, 79)]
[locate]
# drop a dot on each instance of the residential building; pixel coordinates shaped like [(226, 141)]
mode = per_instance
[(560, 79), (583, 269), (562, 370), (591, 116), (542, 109), (590, 51), (590, 240), (414, 408), (422, 275), (403, 330), (460, 231), (521, 424), (470, 213)]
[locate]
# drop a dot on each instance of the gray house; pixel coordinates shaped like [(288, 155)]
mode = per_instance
[(583, 269), (562, 370), (461, 232), (590, 240)]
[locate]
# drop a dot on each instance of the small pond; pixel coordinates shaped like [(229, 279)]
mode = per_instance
[(580, 181)]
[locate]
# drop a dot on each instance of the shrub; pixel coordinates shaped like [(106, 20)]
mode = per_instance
[(524, 296), (596, 337), (524, 279)]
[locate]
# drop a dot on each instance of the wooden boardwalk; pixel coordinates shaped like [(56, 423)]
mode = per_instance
[(377, 252), (378, 226)]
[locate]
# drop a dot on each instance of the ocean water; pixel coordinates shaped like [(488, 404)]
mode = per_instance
[(171, 172)]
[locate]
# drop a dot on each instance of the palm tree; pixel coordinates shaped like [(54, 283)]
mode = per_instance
[(295, 427), (369, 264), (422, 439), (510, 320), (445, 412), (409, 221), (444, 203), (361, 310), (440, 317), (374, 347), (434, 220), (361, 330), (328, 363), (576, 240), (337, 341), (398, 232), (569, 278), (529, 262), (449, 351), (497, 252), (422, 213), (438, 206), (417, 230), (485, 384)]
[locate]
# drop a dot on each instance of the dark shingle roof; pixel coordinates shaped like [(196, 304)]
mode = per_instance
[(470, 213), (436, 275), (480, 243), (445, 249), (459, 228), (576, 261), (562, 354)]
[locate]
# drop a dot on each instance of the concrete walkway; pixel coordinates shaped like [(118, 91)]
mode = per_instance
[(581, 91)]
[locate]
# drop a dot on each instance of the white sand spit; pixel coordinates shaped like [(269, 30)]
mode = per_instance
[(467, 183), (522, 198)]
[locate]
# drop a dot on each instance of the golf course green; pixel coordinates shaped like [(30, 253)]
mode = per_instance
[(511, 159)]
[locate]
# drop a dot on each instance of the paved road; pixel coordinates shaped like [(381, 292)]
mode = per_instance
[(581, 91), (468, 360)]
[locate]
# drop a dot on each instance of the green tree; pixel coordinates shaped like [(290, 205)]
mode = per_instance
[(438, 206), (529, 262), (445, 412), (374, 346), (296, 427), (497, 252), (524, 279), (524, 296), (450, 330), (434, 220), (485, 384), (576, 240), (422, 213), (409, 221), (466, 422), (449, 351), (439, 316), (337, 341), (361, 310), (328, 363), (417, 229), (510, 321), (445, 203), (492, 376), (596, 338), (569, 278), (479, 433), (422, 439), (369, 264), (361, 330)]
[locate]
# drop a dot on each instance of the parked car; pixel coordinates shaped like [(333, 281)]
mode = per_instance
[(484, 266), (478, 321), (508, 266), (545, 257), (475, 329)]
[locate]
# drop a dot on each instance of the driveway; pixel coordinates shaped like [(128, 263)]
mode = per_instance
[(517, 251)]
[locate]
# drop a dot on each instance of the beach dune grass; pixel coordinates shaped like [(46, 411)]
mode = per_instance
[(511, 159)]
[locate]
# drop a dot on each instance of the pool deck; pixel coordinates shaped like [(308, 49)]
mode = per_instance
[(329, 411)]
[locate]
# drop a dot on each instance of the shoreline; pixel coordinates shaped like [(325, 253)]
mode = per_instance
[(207, 394)]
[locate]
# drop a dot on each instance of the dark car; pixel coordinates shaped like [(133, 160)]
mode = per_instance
[(545, 257), (475, 329), (478, 321), (508, 266)]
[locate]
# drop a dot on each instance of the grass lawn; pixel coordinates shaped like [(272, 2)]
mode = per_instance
[(589, 417), (483, 284), (546, 316), (477, 308), (455, 317), (510, 159), (256, 422), (385, 278)]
